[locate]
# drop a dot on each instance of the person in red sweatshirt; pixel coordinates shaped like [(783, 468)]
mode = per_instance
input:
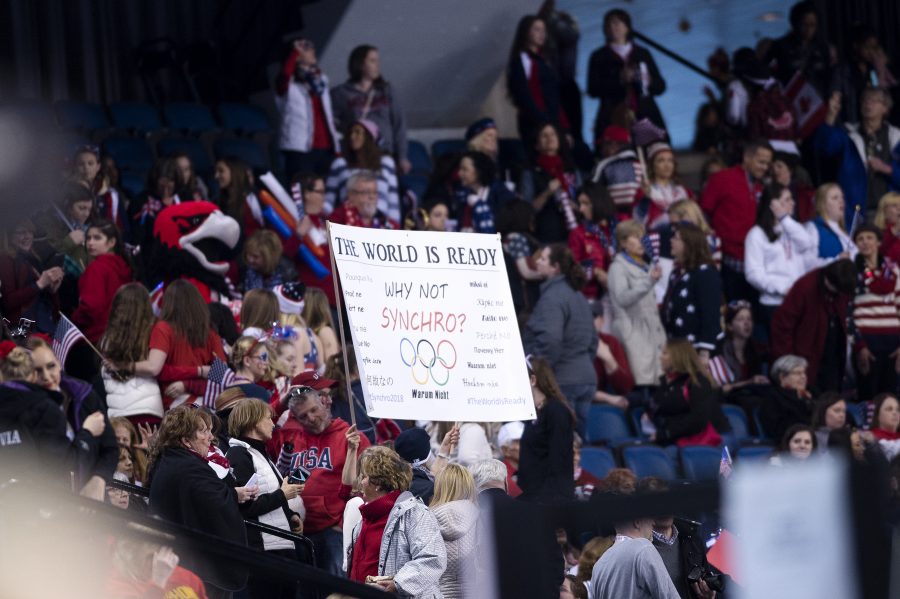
[(107, 271), (729, 199), (611, 365), (317, 442)]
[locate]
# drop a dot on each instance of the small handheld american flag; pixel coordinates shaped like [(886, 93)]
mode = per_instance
[(725, 463), (65, 338), (220, 376)]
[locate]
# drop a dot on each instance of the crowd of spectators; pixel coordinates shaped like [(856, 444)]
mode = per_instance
[(772, 288)]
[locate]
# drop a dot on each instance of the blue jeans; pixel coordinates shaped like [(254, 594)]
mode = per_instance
[(329, 545), (580, 398)]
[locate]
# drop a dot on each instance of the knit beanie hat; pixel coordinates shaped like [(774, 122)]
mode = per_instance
[(290, 297), (657, 147), (509, 432), (413, 445), (371, 127), (480, 126)]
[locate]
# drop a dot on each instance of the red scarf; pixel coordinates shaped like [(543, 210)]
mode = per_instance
[(553, 166), (534, 82), (213, 456), (880, 433), (368, 543)]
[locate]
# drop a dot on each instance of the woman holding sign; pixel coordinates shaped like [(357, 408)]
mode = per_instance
[(561, 328)]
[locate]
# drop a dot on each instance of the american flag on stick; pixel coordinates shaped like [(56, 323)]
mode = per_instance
[(725, 463), (220, 376), (65, 338)]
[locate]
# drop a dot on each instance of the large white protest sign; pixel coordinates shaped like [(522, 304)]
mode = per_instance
[(433, 325)]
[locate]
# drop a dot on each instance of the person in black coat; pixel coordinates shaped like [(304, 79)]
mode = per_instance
[(414, 446), (692, 305), (532, 82), (623, 76), (546, 454), (788, 401), (684, 408), (186, 490)]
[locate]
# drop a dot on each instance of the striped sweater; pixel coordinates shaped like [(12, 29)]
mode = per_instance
[(622, 175), (388, 198), (876, 304)]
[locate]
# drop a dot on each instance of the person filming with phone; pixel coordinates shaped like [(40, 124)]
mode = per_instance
[(317, 444), (278, 503)]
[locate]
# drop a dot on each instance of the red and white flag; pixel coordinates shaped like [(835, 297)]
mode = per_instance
[(809, 108)]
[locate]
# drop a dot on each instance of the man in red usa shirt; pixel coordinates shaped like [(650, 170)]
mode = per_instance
[(319, 446)]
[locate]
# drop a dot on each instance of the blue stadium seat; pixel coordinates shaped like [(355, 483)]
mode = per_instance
[(243, 118), (138, 117), (193, 147), (597, 460), (243, 149), (700, 462), (447, 146), (133, 184), (754, 452), (607, 424), (416, 184), (81, 116), (649, 460), (857, 413), (740, 429), (129, 153), (188, 116), (635, 414), (418, 156)]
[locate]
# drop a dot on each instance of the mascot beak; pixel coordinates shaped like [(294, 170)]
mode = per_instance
[(216, 226)]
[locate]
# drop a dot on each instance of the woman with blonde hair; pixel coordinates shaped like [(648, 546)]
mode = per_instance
[(127, 436), (827, 230), (398, 539), (887, 218), (264, 264), (250, 362), (689, 210), (317, 314), (454, 507), (685, 410)]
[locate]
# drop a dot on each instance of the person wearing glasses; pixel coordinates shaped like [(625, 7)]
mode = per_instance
[(250, 360), (311, 232), (314, 439), (361, 207), (307, 137)]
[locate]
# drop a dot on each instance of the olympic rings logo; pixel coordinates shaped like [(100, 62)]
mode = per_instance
[(424, 360)]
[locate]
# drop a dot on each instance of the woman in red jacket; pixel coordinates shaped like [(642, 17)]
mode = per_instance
[(108, 270)]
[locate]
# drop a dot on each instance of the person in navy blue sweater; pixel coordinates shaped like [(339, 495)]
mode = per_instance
[(691, 308)]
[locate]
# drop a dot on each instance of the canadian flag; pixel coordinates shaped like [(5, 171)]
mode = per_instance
[(808, 105)]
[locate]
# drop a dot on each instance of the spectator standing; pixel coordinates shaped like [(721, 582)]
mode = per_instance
[(786, 171), (775, 250), (307, 137), (593, 241), (509, 441), (108, 270), (398, 538), (366, 95), (865, 65), (685, 409), (875, 317), (185, 490), (812, 322), (867, 150), (237, 197), (311, 232), (89, 171), (730, 199), (532, 81), (551, 186), (126, 340), (689, 211), (64, 228), (802, 50), (623, 76), (278, 502), (691, 308), (318, 443), (635, 318), (264, 264), (414, 446), (456, 513), (887, 219), (827, 230), (546, 462), (619, 169), (560, 329)]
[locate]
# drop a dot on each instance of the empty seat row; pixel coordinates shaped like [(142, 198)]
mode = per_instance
[(693, 463), (142, 118)]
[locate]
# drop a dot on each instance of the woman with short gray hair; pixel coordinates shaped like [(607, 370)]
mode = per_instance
[(789, 402)]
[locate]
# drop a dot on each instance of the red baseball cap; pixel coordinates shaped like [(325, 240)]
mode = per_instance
[(616, 133), (311, 378)]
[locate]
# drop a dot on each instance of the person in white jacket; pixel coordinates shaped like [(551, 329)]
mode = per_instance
[(457, 514), (775, 250), (829, 239)]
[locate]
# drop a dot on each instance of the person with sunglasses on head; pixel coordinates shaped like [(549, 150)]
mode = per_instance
[(315, 440)]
